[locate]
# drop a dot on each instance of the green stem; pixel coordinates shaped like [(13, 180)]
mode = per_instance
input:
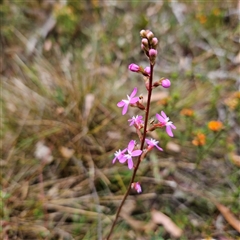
[(141, 148)]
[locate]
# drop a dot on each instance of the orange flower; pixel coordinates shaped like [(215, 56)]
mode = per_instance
[(215, 126), (164, 101), (236, 95), (187, 112), (202, 18), (199, 140)]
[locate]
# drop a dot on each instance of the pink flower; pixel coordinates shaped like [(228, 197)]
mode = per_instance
[(166, 83), (153, 143), (134, 67), (119, 154), (130, 100), (136, 121), (136, 186), (131, 153), (164, 121)]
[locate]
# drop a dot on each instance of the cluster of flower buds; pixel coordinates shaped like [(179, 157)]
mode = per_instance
[(149, 45)]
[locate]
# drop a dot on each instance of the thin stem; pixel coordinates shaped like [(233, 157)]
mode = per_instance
[(139, 157)]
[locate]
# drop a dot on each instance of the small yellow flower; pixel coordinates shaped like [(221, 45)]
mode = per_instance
[(199, 140), (215, 126), (187, 112)]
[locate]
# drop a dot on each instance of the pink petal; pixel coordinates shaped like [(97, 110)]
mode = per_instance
[(169, 131), (121, 104), (130, 163), (123, 159), (132, 122), (148, 141), (160, 118), (125, 108), (158, 148), (133, 92), (134, 100), (114, 160), (136, 153), (163, 114), (173, 126), (131, 145)]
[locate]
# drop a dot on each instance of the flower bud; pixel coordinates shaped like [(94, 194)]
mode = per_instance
[(166, 83), (134, 67), (152, 55), (150, 35), (136, 186), (145, 42), (154, 43), (147, 70), (143, 33)]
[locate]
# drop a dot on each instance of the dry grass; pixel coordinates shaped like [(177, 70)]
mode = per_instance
[(59, 92)]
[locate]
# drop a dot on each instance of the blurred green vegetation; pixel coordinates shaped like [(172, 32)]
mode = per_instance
[(64, 68)]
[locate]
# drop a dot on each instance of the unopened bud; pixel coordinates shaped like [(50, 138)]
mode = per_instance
[(154, 43), (143, 33), (147, 70), (145, 42), (136, 186), (140, 106), (134, 67), (166, 83), (152, 55), (150, 35)]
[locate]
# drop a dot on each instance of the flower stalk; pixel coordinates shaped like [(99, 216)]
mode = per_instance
[(139, 158), (148, 45)]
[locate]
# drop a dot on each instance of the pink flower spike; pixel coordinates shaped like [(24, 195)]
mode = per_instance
[(166, 83), (164, 121), (131, 100), (134, 67), (118, 155), (153, 143), (137, 187), (136, 121), (131, 153)]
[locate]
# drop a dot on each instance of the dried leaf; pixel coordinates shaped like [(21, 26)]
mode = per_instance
[(168, 224), (135, 224), (173, 147), (235, 159), (24, 190), (230, 218), (156, 96), (89, 100), (66, 152)]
